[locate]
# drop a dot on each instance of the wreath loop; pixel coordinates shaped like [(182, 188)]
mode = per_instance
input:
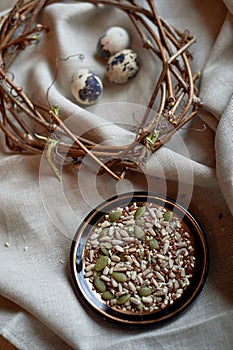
[(174, 92)]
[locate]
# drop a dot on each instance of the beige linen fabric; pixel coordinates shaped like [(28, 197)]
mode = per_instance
[(39, 215)]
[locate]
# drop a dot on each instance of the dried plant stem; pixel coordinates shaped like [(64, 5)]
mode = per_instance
[(173, 97), (82, 146)]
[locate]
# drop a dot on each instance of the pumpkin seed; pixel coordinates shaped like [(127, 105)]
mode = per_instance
[(122, 256), (115, 215), (139, 233), (107, 245), (123, 299), (145, 291), (140, 222), (168, 215), (105, 231), (140, 212), (107, 295), (99, 284), (104, 251), (141, 255), (153, 243), (101, 263), (119, 276), (140, 307)]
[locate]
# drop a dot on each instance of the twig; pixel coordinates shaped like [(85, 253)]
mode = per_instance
[(173, 96), (82, 146)]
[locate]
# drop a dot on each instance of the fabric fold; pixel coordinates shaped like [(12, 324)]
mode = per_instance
[(224, 151), (39, 215)]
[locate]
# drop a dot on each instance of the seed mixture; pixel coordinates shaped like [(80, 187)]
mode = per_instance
[(139, 258)]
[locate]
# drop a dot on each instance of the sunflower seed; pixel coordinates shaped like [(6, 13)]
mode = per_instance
[(135, 301), (89, 267)]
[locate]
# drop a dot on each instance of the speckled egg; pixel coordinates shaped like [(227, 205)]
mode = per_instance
[(86, 87), (122, 66), (113, 40)]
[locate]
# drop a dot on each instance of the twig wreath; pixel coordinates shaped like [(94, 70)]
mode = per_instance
[(174, 91)]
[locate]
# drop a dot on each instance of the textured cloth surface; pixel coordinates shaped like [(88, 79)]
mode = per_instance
[(39, 215)]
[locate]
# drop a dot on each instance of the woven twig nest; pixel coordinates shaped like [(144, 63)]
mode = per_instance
[(174, 92)]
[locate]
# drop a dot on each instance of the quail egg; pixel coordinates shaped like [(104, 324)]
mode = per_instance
[(122, 66), (86, 87), (113, 40)]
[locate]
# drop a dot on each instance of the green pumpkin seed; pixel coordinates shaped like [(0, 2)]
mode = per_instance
[(168, 215), (122, 256), (153, 243), (141, 255), (139, 233), (145, 291), (99, 284), (107, 295), (107, 245), (140, 212), (119, 277), (140, 222), (123, 298), (140, 307), (105, 231), (104, 251), (101, 263), (115, 215)]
